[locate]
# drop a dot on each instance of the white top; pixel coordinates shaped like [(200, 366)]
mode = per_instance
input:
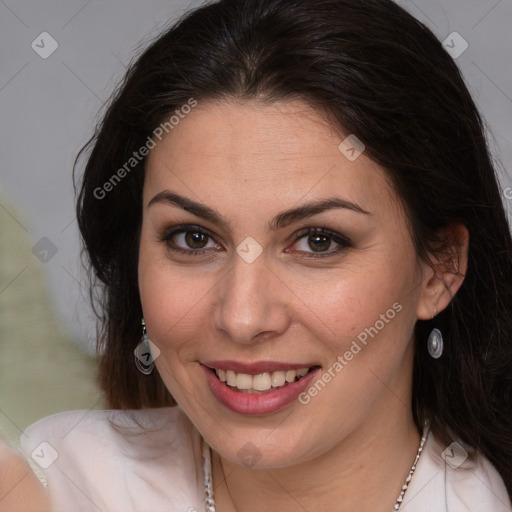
[(151, 462)]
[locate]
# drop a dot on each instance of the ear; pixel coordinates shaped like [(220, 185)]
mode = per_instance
[(445, 275)]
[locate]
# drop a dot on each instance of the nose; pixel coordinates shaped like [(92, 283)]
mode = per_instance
[(251, 302)]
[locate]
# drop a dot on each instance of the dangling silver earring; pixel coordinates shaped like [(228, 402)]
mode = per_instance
[(143, 358), (435, 341)]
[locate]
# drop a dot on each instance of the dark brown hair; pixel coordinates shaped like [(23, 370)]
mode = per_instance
[(376, 72)]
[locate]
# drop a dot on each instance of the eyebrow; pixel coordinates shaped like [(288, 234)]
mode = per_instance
[(281, 220)]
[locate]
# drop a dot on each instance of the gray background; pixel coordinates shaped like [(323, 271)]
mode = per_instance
[(48, 109)]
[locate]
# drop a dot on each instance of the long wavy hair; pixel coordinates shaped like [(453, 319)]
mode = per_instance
[(374, 71)]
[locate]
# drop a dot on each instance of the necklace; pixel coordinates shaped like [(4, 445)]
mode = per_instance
[(208, 488)]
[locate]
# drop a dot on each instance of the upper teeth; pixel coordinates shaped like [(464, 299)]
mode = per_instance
[(260, 382)]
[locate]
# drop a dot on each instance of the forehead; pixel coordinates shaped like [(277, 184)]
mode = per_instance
[(252, 155)]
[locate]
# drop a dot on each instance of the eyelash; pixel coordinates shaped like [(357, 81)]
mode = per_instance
[(342, 241)]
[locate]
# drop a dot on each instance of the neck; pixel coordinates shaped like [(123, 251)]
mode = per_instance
[(370, 467)]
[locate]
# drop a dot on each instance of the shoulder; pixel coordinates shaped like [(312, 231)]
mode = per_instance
[(447, 480), (118, 460), (121, 426)]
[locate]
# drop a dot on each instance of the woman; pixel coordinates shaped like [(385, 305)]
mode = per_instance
[(295, 200)]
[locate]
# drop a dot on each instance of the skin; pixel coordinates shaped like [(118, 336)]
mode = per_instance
[(250, 161)]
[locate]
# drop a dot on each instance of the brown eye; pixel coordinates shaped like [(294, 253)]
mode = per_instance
[(319, 243), (188, 240), (196, 239)]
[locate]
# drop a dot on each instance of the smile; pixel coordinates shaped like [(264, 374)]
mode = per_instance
[(263, 382), (256, 392)]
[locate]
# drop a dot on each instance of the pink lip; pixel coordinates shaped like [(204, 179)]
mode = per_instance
[(257, 367), (267, 403)]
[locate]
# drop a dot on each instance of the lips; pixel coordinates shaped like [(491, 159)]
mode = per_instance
[(251, 400)]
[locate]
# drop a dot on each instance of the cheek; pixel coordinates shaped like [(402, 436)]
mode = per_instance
[(172, 304), (359, 302), (173, 313)]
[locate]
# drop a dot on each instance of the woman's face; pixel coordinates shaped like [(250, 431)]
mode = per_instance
[(244, 266)]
